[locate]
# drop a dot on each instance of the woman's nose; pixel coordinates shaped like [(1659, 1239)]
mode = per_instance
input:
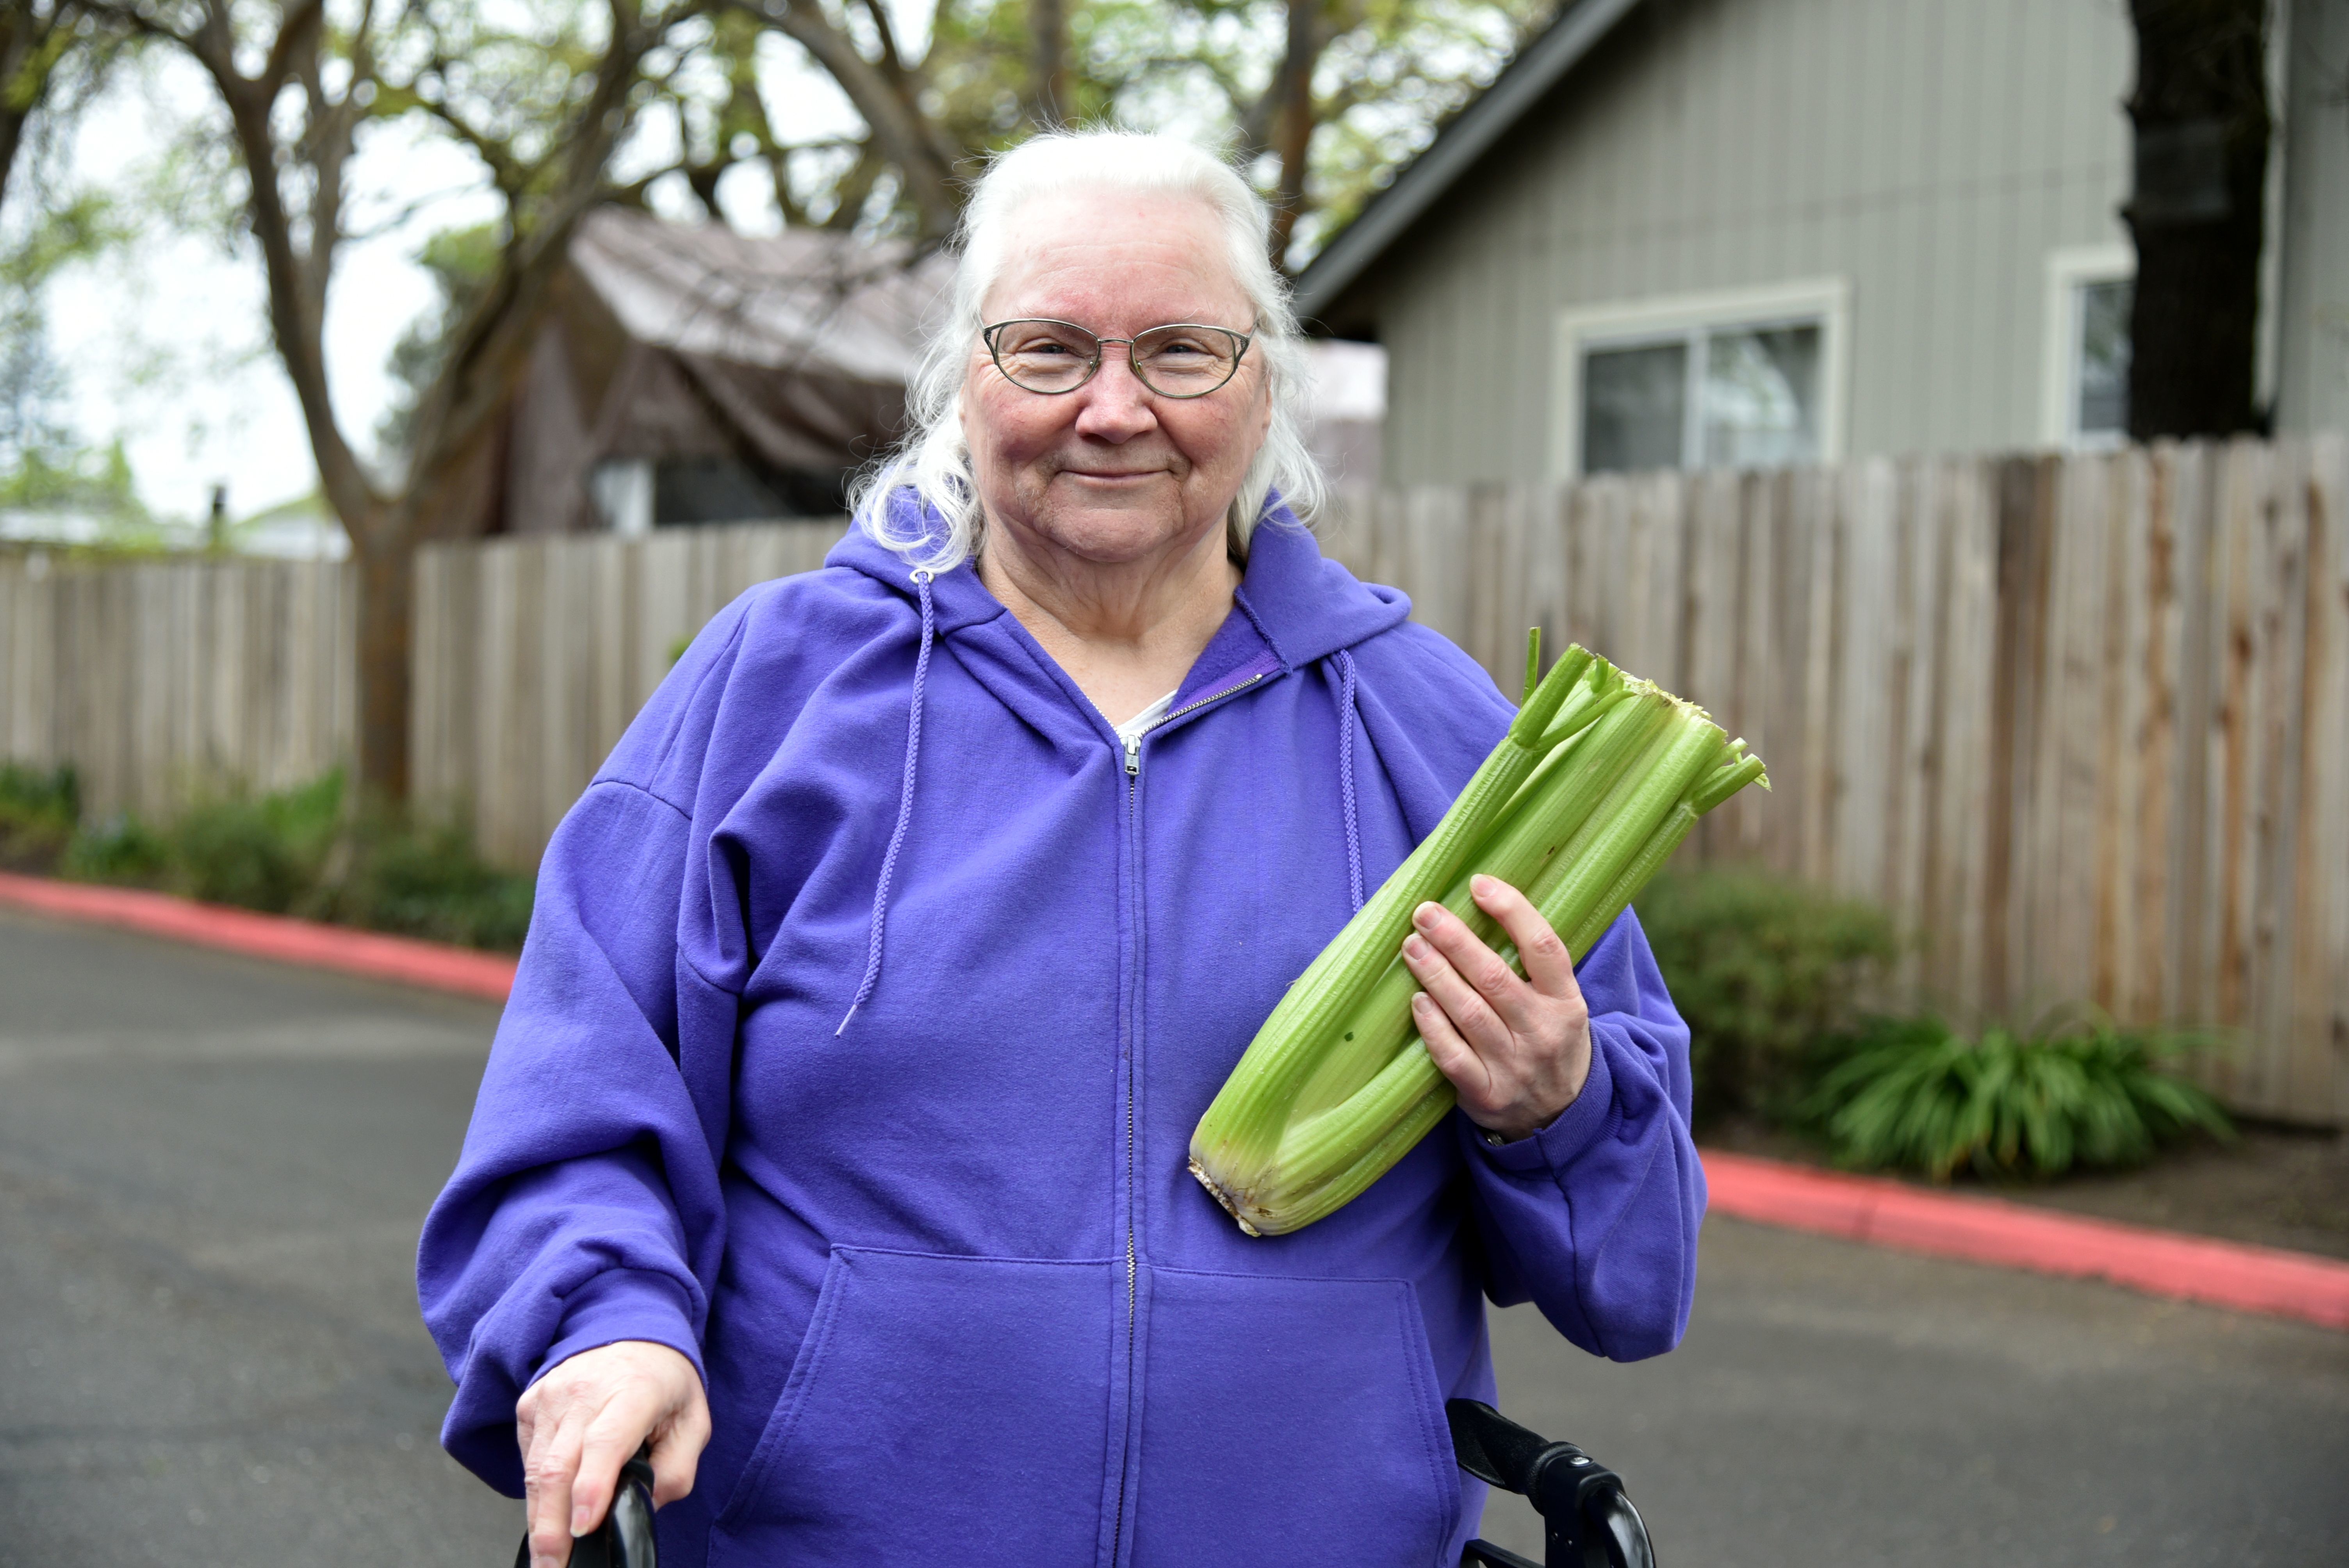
[(1115, 405)]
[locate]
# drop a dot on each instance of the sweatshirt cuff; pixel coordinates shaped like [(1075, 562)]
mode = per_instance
[(624, 1303), (1551, 1151)]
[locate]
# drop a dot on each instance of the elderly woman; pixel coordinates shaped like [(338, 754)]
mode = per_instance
[(834, 1137)]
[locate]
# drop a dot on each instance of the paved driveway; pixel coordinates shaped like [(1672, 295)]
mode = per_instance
[(211, 1175), (211, 1172), (1834, 1405)]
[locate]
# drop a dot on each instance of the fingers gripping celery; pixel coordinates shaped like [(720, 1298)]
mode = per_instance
[(1595, 785), (1287, 1049)]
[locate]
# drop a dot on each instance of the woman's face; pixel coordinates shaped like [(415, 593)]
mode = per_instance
[(1113, 473)]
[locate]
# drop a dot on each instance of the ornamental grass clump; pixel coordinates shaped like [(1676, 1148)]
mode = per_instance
[(1596, 783), (1913, 1094)]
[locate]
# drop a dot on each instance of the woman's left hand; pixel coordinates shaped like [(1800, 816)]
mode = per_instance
[(1517, 1050)]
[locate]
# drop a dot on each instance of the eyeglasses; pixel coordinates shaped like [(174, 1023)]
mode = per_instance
[(1182, 360)]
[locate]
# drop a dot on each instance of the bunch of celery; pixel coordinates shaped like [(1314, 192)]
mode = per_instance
[(1594, 786)]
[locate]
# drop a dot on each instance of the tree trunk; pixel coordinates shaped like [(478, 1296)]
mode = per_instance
[(2196, 210), (1295, 133), (1048, 19), (387, 564)]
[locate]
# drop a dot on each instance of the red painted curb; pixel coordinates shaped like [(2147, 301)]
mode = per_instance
[(2016, 1235), (464, 970)]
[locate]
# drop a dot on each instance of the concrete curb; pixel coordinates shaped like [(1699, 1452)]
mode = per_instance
[(1884, 1213), (434, 965)]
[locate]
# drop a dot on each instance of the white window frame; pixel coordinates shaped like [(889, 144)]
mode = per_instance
[(622, 490), (2069, 269), (1664, 318)]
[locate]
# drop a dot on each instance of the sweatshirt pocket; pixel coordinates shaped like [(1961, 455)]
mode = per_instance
[(939, 1410), (1290, 1419)]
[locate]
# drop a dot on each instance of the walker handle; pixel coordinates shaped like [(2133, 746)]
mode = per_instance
[(1588, 1522), (626, 1539)]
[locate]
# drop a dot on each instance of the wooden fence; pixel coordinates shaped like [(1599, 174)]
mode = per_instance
[(164, 680), (533, 653), (2081, 723)]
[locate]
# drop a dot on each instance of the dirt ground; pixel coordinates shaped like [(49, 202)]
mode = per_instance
[(2277, 1186)]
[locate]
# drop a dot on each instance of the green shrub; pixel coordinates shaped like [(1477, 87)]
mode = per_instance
[(1763, 968), (261, 852), (122, 848), (38, 811), (300, 851), (424, 879), (1912, 1094)]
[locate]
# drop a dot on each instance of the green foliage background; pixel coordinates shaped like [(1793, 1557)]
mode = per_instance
[(303, 852), (1763, 969)]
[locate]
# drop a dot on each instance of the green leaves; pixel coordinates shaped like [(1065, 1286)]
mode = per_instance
[(38, 809), (1914, 1095), (305, 852), (1760, 967)]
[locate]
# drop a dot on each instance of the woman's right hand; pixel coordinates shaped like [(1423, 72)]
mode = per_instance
[(586, 1418)]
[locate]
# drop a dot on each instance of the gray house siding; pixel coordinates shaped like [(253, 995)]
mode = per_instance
[(2313, 331), (1930, 153)]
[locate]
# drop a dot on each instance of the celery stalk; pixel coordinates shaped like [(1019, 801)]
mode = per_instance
[(1597, 782), (1244, 1127)]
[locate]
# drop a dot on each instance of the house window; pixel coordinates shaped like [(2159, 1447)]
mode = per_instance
[(2100, 397), (1724, 397), (1748, 379), (2084, 399), (1634, 406), (633, 496)]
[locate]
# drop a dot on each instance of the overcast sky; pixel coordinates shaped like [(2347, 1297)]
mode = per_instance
[(167, 344)]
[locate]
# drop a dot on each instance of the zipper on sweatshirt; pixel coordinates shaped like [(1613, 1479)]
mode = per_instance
[(1131, 746)]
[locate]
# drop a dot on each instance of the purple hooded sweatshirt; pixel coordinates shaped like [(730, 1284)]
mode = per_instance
[(952, 1290)]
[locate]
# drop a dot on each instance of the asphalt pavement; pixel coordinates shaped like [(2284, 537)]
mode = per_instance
[(211, 1172)]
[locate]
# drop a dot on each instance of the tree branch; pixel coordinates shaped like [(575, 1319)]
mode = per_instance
[(491, 341), (905, 133), (25, 73), (892, 60), (1294, 86), (296, 308), (297, 31)]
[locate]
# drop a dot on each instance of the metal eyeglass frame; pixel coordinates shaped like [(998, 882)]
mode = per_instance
[(989, 335)]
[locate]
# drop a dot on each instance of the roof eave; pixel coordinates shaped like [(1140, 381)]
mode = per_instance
[(1488, 117)]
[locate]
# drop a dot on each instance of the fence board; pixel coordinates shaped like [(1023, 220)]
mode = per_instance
[(534, 654), (160, 680), (2322, 962)]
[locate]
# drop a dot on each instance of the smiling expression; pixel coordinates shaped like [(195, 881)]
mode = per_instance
[(1113, 471)]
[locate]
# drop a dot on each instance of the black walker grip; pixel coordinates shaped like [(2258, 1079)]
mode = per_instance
[(1588, 1522), (625, 1539)]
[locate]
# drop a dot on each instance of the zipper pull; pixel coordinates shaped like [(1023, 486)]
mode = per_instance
[(1133, 755)]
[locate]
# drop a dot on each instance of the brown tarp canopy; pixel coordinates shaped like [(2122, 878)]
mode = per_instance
[(746, 375)]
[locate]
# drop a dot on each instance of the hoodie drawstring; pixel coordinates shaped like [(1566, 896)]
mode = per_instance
[(1346, 805), (905, 804)]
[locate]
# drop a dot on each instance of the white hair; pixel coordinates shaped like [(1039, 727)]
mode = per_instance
[(933, 462)]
